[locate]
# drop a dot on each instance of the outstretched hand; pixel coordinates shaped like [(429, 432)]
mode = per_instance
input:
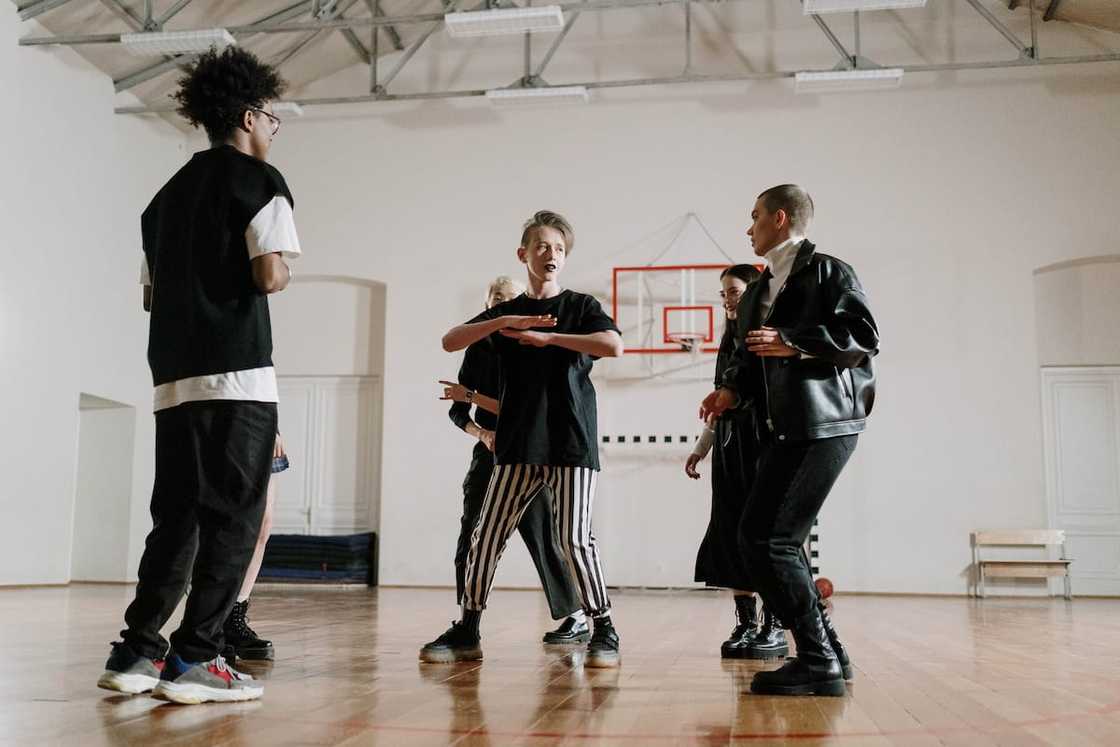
[(454, 391), (529, 337)]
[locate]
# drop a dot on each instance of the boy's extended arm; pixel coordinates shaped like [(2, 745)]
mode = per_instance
[(463, 335), (604, 344)]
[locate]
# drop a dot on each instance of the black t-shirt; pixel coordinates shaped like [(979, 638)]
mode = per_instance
[(207, 315), (548, 413)]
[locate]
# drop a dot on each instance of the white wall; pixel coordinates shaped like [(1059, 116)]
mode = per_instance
[(945, 195), (73, 181), (103, 491), (1077, 307)]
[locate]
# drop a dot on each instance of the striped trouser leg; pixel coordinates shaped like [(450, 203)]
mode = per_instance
[(511, 488), (573, 491)]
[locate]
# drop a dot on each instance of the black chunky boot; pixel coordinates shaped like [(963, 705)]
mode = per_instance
[(746, 625), (603, 650), (815, 670), (461, 642), (834, 641), (241, 640), (770, 640)]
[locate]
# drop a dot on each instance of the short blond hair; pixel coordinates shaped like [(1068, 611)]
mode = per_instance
[(544, 218), (503, 281)]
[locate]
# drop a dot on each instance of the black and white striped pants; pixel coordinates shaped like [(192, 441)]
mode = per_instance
[(512, 488)]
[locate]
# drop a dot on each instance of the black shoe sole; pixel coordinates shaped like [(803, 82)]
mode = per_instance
[(256, 654), (565, 640), (765, 654), (829, 688), (450, 655)]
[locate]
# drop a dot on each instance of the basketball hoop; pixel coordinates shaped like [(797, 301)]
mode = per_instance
[(689, 342)]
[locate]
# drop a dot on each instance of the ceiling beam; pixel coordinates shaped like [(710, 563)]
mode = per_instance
[(849, 59), (572, 17), (172, 12), (674, 80), (394, 37), (277, 27), (998, 25), (152, 71), (34, 10)]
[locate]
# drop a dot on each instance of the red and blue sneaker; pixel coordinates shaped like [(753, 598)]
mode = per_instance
[(204, 682)]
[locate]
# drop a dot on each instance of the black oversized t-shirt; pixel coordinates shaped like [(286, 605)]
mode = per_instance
[(547, 413), (207, 315)]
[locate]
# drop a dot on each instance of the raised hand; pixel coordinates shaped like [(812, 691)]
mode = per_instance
[(528, 322), (528, 337), (455, 391)]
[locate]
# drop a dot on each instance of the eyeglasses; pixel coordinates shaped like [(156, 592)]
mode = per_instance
[(272, 118)]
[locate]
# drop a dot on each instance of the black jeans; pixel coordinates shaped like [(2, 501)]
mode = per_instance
[(536, 528), (789, 489), (212, 469)]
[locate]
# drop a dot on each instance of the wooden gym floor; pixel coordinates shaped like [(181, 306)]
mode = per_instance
[(929, 671)]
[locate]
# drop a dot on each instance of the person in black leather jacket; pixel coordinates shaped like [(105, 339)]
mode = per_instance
[(806, 369)]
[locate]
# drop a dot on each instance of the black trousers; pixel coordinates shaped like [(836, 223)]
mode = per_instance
[(212, 469), (536, 528), (789, 489)]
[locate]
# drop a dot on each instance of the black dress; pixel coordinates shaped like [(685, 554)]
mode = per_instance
[(719, 562)]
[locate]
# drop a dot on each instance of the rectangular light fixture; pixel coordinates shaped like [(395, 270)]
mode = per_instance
[(504, 21), (538, 96), (176, 42), (849, 80), (287, 109), (847, 6)]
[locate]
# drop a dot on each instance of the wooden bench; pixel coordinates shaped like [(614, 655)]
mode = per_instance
[(1038, 568)]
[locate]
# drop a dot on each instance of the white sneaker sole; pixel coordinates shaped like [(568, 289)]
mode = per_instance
[(189, 694), (132, 684)]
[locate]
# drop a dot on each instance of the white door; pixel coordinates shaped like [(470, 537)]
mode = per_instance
[(1081, 433), (331, 426)]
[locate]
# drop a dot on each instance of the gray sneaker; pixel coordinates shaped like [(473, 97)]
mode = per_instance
[(128, 672), (206, 682)]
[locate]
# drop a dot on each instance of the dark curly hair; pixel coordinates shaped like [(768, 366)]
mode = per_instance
[(221, 85)]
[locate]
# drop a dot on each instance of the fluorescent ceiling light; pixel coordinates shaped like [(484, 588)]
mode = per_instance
[(847, 6), (530, 96), (176, 42), (504, 21), (287, 109), (849, 80)]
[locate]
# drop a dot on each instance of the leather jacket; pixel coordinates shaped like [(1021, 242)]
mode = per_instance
[(823, 313)]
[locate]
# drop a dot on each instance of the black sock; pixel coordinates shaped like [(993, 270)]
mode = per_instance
[(471, 619)]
